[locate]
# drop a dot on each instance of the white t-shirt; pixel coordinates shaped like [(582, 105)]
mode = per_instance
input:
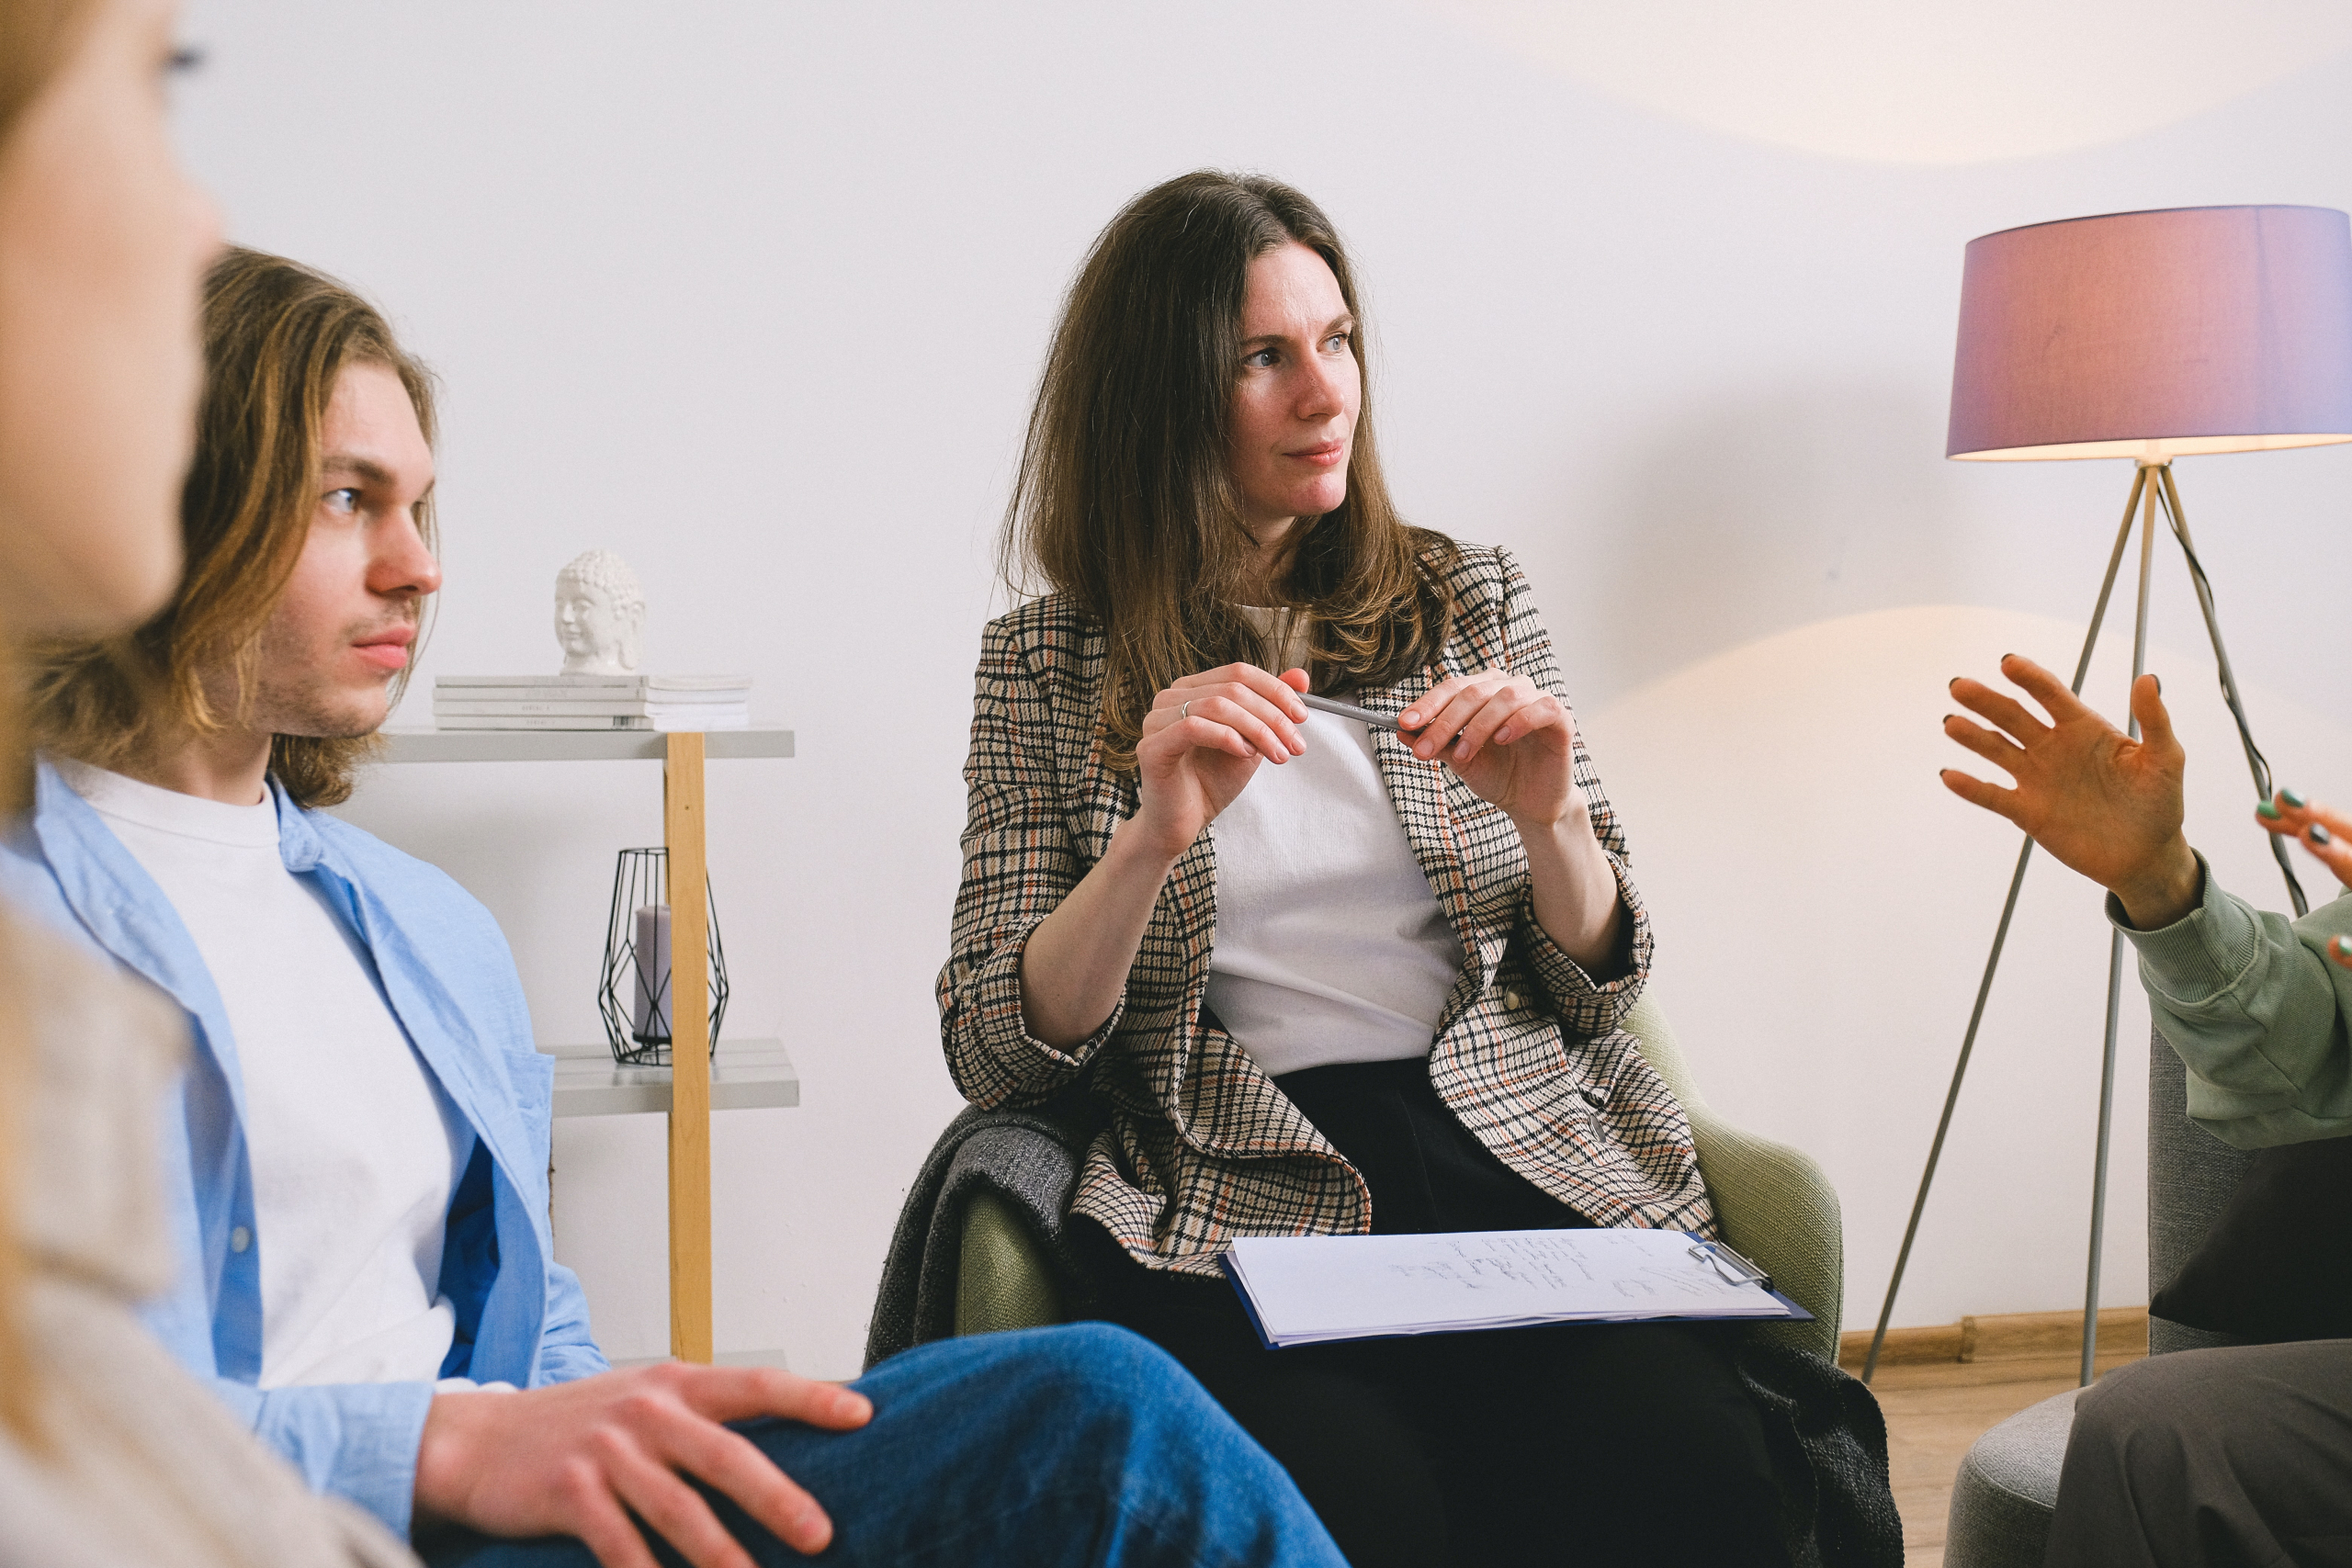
[(1329, 945), (356, 1150)]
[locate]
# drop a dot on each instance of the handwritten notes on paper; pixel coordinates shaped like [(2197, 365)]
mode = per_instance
[(1302, 1290)]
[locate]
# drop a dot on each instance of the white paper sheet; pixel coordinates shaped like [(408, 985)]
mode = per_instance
[(1304, 1289)]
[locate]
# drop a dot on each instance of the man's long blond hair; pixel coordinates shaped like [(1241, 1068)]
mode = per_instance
[(36, 38), (276, 335)]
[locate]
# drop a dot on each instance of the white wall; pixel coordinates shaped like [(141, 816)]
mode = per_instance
[(754, 293)]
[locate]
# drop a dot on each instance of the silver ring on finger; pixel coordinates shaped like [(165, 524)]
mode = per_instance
[(1184, 712)]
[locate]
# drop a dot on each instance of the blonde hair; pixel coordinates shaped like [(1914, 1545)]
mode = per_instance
[(276, 335), (37, 37)]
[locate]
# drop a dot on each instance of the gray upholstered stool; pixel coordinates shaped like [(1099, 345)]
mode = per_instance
[(2008, 1486), (2002, 1499)]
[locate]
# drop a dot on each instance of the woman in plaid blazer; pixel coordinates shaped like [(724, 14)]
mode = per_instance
[(1200, 447)]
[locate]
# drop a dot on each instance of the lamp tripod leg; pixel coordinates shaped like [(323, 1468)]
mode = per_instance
[(2000, 936), (2115, 980)]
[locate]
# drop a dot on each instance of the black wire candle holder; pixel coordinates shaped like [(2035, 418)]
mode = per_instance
[(633, 991)]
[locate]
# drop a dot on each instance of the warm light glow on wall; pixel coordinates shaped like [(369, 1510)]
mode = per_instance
[(1963, 82)]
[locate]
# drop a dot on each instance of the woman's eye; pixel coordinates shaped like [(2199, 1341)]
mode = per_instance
[(1340, 341), (1263, 359), (345, 500)]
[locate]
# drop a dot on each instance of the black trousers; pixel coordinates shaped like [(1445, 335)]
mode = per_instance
[(2211, 1459), (1576, 1443)]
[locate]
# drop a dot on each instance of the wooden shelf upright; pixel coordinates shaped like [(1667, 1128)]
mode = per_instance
[(682, 831)]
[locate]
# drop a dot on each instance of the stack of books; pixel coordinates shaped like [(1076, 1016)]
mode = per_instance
[(591, 702)]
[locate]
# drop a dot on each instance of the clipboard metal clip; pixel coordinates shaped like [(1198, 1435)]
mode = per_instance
[(1729, 1266)]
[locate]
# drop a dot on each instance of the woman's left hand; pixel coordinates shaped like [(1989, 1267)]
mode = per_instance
[(1512, 741), (2327, 834)]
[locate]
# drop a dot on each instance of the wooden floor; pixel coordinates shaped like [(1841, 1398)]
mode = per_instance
[(1944, 1388)]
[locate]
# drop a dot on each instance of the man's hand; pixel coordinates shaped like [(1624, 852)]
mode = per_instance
[(579, 1457), (2106, 804)]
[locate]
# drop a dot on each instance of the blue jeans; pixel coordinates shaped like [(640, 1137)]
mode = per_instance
[(1079, 1445)]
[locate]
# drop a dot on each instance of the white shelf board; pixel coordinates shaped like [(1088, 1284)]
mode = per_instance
[(569, 745), (745, 1074)]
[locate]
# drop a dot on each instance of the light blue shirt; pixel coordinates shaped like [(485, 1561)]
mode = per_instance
[(446, 973)]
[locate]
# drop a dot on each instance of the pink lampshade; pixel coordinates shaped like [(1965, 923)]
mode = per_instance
[(2155, 334)]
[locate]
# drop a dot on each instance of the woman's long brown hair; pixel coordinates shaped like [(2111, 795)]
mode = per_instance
[(1126, 501), (36, 38), (276, 335)]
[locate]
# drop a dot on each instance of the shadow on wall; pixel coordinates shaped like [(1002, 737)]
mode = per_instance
[(1919, 84), (1758, 514)]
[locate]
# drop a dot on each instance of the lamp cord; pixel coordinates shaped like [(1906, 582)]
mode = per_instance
[(2167, 498)]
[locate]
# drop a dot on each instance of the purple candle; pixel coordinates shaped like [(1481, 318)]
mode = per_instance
[(649, 1015)]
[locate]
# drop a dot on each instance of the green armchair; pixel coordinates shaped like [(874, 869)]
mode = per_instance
[(1775, 1205)]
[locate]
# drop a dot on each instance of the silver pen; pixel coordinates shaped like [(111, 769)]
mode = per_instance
[(1348, 710)]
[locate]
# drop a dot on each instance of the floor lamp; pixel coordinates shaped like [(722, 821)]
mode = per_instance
[(2151, 336)]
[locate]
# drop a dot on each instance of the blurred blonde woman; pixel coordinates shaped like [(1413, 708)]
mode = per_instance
[(109, 1454)]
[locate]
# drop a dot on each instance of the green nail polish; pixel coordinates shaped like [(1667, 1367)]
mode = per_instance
[(2267, 810), (2291, 798), (2321, 835), (2344, 946)]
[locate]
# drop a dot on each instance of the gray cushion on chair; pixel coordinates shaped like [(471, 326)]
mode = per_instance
[(2002, 1499), (2192, 1174)]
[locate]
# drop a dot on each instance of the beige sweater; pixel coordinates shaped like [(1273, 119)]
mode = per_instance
[(143, 1466)]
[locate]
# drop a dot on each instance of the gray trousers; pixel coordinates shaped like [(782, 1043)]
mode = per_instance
[(2213, 1459)]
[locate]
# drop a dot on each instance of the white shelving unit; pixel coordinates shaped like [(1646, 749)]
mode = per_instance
[(745, 1074), (572, 745), (588, 1082)]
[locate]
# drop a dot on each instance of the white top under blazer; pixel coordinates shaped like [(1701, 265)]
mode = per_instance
[(1330, 946)]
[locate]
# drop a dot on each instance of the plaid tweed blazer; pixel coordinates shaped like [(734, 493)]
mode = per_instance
[(1197, 1146)]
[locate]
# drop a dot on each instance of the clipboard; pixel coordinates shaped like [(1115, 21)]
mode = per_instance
[(1324, 1290)]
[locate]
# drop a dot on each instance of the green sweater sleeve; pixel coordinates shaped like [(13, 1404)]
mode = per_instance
[(2260, 1015)]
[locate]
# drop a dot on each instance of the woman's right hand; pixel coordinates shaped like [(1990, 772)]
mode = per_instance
[(1203, 738), (2099, 801)]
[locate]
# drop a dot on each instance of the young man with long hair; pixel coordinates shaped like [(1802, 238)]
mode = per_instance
[(355, 1172)]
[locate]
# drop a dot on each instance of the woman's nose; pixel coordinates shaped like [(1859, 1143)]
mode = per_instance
[(1325, 392), (200, 224)]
